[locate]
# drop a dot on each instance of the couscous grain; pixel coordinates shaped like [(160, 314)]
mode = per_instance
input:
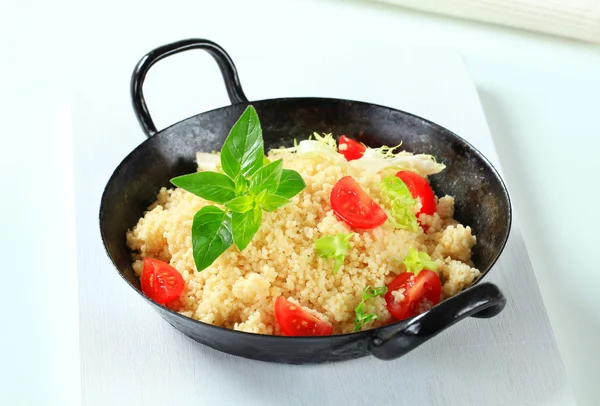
[(239, 289)]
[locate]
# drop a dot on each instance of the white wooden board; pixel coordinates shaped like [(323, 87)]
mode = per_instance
[(131, 356)]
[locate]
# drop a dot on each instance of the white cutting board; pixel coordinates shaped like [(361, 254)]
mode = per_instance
[(131, 356)]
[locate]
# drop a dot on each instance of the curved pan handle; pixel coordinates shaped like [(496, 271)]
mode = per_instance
[(230, 76), (484, 300)]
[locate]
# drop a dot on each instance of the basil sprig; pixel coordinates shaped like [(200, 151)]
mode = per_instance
[(249, 185)]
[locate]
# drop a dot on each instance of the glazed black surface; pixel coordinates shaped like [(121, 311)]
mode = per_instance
[(481, 201)]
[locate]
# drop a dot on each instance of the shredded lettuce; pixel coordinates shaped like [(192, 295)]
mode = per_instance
[(378, 159), (363, 318), (208, 162), (335, 247), (373, 160), (416, 261), (403, 206), (317, 145)]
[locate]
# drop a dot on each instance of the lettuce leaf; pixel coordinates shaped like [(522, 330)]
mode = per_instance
[(208, 162), (402, 206), (378, 159), (416, 261), (334, 246), (317, 145), (363, 318)]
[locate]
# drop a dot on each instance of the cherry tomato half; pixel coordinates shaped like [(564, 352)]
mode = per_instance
[(295, 321), (351, 149), (426, 286), (353, 206), (160, 281), (419, 189)]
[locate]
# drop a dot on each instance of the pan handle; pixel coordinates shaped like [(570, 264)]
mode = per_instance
[(228, 70), (484, 300)]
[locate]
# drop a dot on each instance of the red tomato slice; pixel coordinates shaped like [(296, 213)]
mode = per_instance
[(420, 290), (419, 189), (295, 321), (160, 281), (351, 149), (353, 206)]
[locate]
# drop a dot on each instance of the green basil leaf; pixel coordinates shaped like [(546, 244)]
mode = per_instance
[(290, 184), (243, 150), (240, 204), (273, 202), (245, 225), (261, 198), (212, 186), (241, 185), (267, 178), (211, 235)]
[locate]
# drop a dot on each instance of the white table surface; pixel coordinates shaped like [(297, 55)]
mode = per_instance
[(126, 349), (540, 95)]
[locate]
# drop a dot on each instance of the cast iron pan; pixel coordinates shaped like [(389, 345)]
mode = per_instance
[(482, 202)]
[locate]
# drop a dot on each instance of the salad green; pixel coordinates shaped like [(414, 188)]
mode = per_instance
[(403, 205), (335, 247), (363, 318), (416, 261), (373, 159)]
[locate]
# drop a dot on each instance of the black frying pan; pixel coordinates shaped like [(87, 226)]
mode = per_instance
[(482, 202)]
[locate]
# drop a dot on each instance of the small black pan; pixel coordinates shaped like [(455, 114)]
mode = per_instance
[(482, 202)]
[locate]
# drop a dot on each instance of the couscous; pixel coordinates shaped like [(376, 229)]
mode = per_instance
[(347, 251)]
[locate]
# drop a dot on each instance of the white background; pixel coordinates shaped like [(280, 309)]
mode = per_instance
[(130, 356), (540, 94)]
